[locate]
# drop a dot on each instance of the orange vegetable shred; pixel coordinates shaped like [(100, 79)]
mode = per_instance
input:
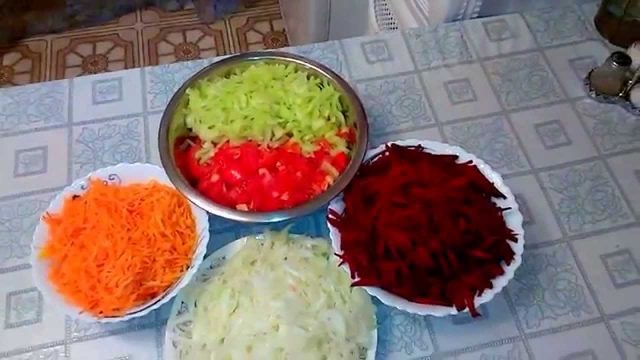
[(116, 247)]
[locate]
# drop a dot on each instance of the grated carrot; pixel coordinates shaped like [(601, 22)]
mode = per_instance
[(116, 247)]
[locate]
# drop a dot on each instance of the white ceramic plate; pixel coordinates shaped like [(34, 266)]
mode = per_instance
[(117, 174), (513, 219), (178, 323)]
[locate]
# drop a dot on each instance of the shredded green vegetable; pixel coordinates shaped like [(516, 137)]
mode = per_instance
[(279, 298), (267, 103)]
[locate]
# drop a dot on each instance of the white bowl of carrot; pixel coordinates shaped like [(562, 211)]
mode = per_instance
[(117, 244)]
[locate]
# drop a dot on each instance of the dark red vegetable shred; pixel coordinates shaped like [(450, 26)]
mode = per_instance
[(423, 227)]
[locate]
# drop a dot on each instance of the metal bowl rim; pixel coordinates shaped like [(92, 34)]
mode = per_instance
[(358, 153)]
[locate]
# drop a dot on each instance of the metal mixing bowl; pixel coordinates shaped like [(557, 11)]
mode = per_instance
[(172, 125)]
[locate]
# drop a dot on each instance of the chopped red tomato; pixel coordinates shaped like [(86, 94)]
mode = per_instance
[(253, 177)]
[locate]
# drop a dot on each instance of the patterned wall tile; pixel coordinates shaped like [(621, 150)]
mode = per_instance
[(153, 127), (498, 30), (523, 80), (33, 106), (130, 346), (587, 343), (164, 44), (401, 334), (431, 133), (107, 95), (385, 54), (31, 161), (53, 353), (109, 143), (510, 351), (548, 290), (23, 63), (490, 139), (23, 308), (395, 104), (34, 161), (376, 51), (622, 267), (499, 35), (106, 91), (627, 330), (257, 31), (82, 54), (444, 44), (26, 320), (461, 331), (162, 81), (557, 25), (552, 135), (586, 198), (18, 220), (572, 63), (460, 91), (611, 127), (626, 168), (540, 225), (328, 53), (611, 263)]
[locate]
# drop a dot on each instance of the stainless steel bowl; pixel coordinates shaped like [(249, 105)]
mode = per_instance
[(172, 125)]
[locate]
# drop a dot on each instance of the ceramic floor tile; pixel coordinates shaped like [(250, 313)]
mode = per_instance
[(145, 37), (94, 53), (165, 44), (23, 64), (257, 30)]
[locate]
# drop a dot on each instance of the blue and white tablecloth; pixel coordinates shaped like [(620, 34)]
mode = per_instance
[(506, 88)]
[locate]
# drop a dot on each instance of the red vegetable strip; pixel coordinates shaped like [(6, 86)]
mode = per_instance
[(424, 227)]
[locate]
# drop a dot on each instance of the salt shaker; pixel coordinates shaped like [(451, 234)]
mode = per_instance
[(612, 76)]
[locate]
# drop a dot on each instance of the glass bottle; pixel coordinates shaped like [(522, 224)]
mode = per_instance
[(619, 21), (612, 76)]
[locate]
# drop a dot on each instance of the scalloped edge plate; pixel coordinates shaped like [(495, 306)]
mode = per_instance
[(206, 271), (513, 219), (117, 174)]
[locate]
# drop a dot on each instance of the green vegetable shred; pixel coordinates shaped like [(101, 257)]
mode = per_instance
[(269, 104)]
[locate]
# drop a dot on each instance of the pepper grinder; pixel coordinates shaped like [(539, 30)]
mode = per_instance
[(612, 76)]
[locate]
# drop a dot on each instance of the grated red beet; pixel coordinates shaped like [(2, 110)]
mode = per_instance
[(423, 227)]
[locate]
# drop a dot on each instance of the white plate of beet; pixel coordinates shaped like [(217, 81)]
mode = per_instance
[(428, 228)]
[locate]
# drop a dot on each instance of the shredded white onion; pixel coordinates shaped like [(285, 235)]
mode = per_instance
[(280, 298)]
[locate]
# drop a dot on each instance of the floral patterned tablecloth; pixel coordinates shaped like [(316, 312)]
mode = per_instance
[(506, 88)]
